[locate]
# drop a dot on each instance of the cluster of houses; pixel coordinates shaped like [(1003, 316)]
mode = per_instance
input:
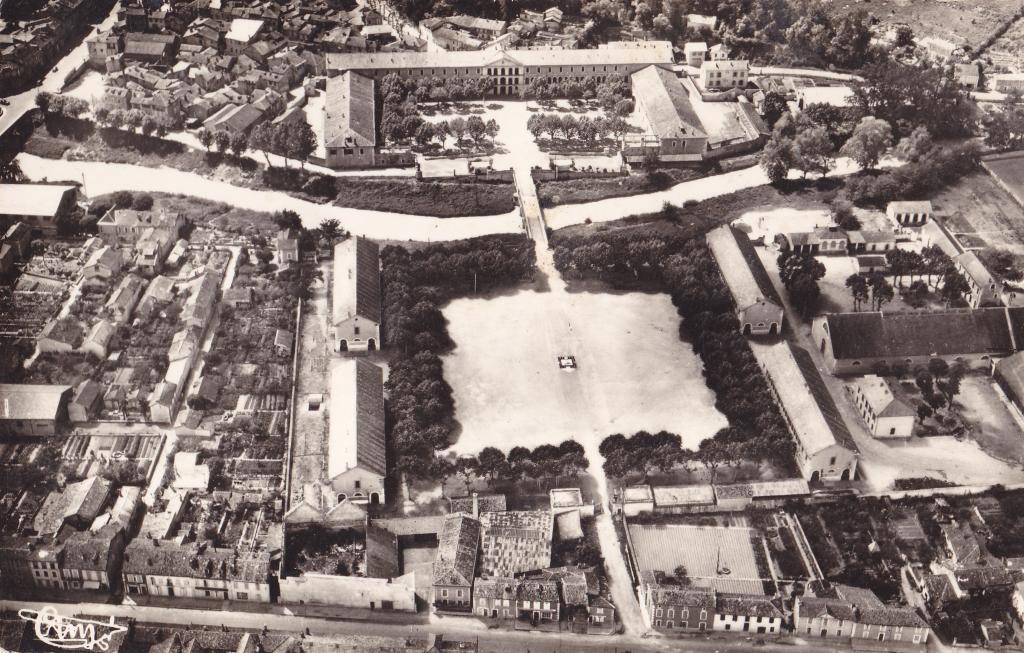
[(533, 28), (225, 73), (69, 539), (496, 564)]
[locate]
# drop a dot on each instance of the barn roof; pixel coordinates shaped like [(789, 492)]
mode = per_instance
[(356, 432), (357, 280)]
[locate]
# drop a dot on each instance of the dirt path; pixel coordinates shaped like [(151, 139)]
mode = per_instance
[(310, 429), (559, 328)]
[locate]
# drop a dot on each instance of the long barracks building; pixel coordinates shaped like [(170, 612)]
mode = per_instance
[(511, 70)]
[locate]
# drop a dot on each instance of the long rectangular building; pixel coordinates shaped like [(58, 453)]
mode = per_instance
[(670, 116), (511, 70), (356, 300), (825, 449), (758, 307), (860, 343), (356, 456)]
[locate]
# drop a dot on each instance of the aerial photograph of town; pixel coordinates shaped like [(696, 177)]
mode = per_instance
[(511, 326)]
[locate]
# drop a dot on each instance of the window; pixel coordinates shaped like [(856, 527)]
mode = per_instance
[(683, 624), (832, 461), (668, 624), (359, 483), (657, 622), (243, 596), (444, 592)]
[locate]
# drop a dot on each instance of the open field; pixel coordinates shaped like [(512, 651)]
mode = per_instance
[(722, 558), (992, 424), (978, 206), (633, 371), (969, 21), (1008, 169)]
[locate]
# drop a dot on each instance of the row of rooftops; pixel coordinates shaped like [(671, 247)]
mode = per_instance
[(697, 495)]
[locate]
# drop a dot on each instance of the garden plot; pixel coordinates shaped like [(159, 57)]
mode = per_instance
[(724, 559), (633, 373), (992, 424)]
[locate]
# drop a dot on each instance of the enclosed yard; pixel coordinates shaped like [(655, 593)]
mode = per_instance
[(991, 423), (979, 208), (633, 373), (726, 559)]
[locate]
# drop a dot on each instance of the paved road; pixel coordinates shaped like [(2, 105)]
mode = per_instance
[(323, 630), (54, 80), (804, 72)]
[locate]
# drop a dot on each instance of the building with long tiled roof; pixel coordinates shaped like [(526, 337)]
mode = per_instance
[(356, 296), (455, 563), (356, 450)]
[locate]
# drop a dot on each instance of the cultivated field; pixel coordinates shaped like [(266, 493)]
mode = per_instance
[(633, 371), (958, 21), (726, 559), (978, 206)]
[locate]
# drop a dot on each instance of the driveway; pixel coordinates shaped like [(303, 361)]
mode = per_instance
[(101, 178)]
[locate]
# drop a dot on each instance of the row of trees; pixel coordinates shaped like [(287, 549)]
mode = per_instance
[(609, 94), (645, 452), (546, 462), (929, 169), (132, 120), (939, 385), (416, 284), (292, 140), (570, 127), (873, 288), (425, 132), (686, 269), (224, 141)]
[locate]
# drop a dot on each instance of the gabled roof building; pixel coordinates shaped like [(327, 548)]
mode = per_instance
[(356, 451), (356, 298)]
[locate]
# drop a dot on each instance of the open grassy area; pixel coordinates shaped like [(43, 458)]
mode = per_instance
[(632, 372), (440, 199), (704, 216), (573, 191), (989, 419)]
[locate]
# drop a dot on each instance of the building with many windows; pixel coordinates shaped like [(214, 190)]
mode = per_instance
[(511, 71), (724, 74)]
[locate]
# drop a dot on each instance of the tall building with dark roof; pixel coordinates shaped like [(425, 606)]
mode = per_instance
[(856, 343), (356, 296), (350, 125), (356, 452), (455, 563)]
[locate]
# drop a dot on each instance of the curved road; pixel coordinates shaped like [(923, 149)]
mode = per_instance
[(101, 178)]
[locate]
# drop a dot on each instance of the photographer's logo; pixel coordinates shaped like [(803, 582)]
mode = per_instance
[(71, 633)]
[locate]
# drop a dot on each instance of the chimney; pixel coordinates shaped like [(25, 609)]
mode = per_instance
[(476, 506)]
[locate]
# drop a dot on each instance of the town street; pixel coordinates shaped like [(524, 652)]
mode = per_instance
[(325, 630), (102, 178), (54, 80)]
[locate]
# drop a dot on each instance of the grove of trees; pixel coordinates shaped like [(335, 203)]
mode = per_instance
[(416, 284)]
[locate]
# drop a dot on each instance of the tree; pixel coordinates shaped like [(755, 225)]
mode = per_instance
[(604, 13), (871, 138), (458, 127), (330, 229), (858, 288), (915, 145), (491, 129), (813, 151), (881, 291), (143, 202), (205, 137), (261, 139), (123, 199), (300, 142), (287, 219), (466, 467), (773, 108), (643, 16), (954, 286), (712, 454), (904, 36), (222, 140), (239, 143), (624, 107), (843, 215), (424, 133), (148, 126), (776, 158), (491, 462), (476, 128)]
